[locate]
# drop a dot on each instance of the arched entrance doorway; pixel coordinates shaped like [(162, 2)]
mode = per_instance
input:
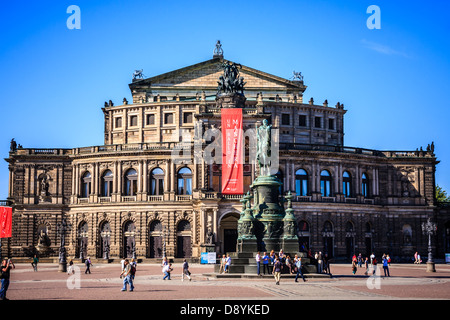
[(83, 240), (129, 242), (184, 247), (228, 232), (303, 236), (105, 240), (155, 240)]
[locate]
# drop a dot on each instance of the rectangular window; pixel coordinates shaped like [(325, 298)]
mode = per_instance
[(168, 118), (318, 122), (118, 123), (285, 119), (187, 117), (150, 119), (302, 120), (331, 124), (133, 121)]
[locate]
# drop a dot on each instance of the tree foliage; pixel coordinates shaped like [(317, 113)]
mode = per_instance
[(441, 195)]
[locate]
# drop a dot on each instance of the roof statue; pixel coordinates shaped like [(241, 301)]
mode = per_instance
[(137, 74), (218, 52), (297, 76)]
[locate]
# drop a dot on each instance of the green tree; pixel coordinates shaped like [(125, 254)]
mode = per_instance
[(441, 195)]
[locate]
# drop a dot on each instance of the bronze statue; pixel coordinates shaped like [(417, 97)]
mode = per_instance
[(230, 82)]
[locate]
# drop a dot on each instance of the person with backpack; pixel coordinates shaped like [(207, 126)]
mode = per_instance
[(126, 275), (88, 264), (133, 265), (167, 269), (185, 271)]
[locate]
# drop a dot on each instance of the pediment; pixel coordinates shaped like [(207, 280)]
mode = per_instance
[(206, 74)]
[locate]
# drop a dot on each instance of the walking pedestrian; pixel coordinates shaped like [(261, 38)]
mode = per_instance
[(277, 270), (366, 263), (70, 269), (386, 267), (354, 268), (374, 265), (88, 264), (127, 277), (186, 271), (164, 261), (133, 268), (167, 269), (35, 263), (372, 256), (265, 260), (258, 263), (298, 265), (360, 260), (5, 271)]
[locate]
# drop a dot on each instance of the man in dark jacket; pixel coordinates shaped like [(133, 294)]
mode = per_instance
[(5, 269)]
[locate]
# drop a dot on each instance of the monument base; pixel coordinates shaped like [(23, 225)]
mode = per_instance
[(245, 245), (208, 247), (62, 267)]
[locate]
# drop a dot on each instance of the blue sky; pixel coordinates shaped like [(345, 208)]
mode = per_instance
[(393, 81)]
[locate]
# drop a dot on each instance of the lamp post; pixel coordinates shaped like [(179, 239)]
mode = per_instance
[(429, 228), (62, 228)]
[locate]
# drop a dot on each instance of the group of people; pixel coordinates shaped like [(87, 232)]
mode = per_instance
[(371, 262), (417, 258), (322, 262), (167, 269)]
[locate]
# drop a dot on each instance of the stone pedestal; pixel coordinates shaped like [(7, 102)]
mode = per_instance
[(230, 100), (430, 267), (62, 267)]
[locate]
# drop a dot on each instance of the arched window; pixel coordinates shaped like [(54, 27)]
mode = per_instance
[(349, 226), (130, 183), (86, 185), (346, 184), (184, 181), (325, 183), (364, 185), (327, 226), (368, 227), (157, 182), (106, 183), (301, 182)]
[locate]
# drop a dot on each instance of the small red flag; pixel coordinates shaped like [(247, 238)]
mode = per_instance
[(5, 222)]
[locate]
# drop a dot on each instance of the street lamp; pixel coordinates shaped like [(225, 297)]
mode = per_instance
[(61, 229), (429, 228)]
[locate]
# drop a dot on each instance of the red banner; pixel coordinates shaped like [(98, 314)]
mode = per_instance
[(5, 222), (232, 157)]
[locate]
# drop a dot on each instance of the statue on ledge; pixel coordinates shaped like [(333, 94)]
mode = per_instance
[(263, 148)]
